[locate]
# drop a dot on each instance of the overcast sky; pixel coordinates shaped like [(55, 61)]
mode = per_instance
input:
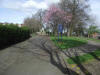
[(16, 10)]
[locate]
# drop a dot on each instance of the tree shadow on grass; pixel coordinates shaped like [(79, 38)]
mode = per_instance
[(95, 56), (55, 58), (69, 43), (78, 63), (91, 50), (85, 49)]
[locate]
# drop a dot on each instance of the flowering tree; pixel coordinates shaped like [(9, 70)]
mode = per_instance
[(55, 16)]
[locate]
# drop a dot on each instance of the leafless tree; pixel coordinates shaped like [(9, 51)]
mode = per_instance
[(35, 22), (79, 10)]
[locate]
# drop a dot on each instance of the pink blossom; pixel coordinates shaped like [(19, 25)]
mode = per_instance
[(55, 13)]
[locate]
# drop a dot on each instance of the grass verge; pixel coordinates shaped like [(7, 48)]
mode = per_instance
[(96, 40), (68, 42), (84, 58), (91, 39)]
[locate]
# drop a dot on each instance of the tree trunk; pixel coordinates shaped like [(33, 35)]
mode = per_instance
[(68, 32)]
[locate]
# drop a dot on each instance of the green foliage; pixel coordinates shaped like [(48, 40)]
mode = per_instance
[(84, 58), (68, 42), (92, 29), (10, 34)]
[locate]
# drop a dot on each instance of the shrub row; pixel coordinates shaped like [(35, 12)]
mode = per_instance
[(11, 34)]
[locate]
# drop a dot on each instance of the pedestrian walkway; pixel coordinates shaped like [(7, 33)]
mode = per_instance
[(36, 56)]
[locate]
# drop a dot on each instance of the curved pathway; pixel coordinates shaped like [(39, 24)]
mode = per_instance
[(36, 56), (39, 56)]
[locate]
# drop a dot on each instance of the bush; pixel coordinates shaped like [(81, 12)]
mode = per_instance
[(11, 34)]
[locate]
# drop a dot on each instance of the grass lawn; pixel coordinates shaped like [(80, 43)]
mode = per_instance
[(84, 58), (92, 39), (96, 40), (68, 42)]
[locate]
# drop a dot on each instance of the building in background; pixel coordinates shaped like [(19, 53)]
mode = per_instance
[(96, 35)]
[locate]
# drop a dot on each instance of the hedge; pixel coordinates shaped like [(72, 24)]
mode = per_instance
[(11, 34)]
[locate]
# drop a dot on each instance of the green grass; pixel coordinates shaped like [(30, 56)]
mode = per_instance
[(96, 40), (91, 39), (84, 58), (69, 42)]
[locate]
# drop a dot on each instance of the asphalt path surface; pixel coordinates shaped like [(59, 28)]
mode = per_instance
[(32, 57)]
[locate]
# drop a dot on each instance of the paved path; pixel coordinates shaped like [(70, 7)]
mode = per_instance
[(32, 57), (38, 56)]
